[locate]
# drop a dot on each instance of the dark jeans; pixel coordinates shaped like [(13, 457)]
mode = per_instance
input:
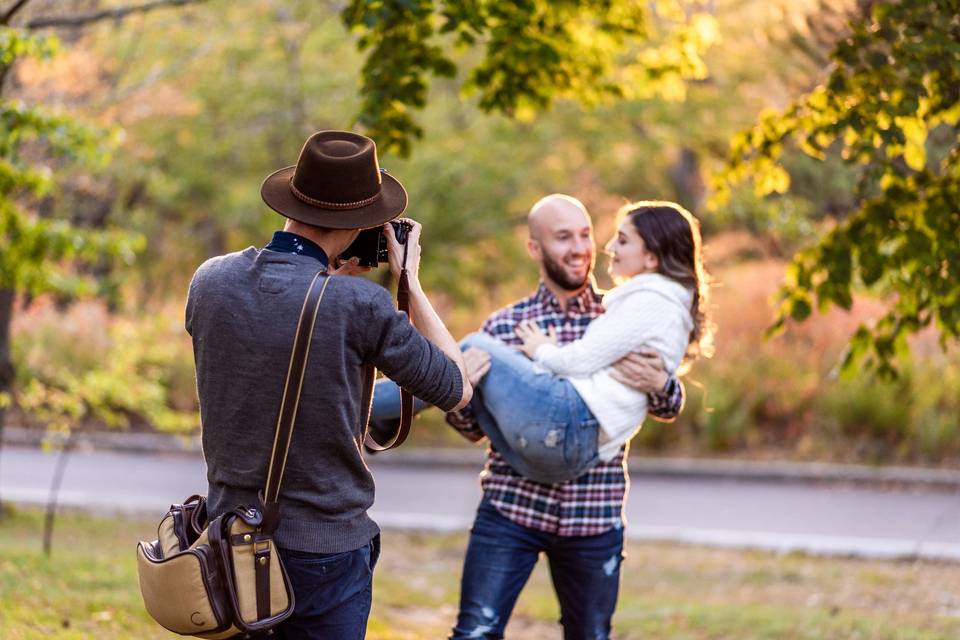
[(500, 557), (333, 592)]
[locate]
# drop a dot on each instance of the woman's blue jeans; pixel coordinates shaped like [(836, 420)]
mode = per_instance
[(536, 421)]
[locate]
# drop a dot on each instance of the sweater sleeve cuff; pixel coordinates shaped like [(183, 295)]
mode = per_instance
[(457, 392), (543, 352)]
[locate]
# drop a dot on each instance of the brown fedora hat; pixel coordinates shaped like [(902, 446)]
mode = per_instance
[(336, 183)]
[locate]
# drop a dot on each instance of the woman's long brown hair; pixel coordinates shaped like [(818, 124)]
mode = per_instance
[(672, 234)]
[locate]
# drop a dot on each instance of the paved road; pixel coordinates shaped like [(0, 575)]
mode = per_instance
[(746, 514)]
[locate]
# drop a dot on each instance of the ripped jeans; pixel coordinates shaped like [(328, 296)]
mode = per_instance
[(536, 421), (502, 554)]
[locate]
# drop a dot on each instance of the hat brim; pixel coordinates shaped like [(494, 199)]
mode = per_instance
[(275, 191)]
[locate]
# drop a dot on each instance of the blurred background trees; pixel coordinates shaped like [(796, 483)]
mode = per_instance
[(42, 252), (889, 109), (481, 108)]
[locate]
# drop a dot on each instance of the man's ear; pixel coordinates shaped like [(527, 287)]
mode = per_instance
[(534, 250)]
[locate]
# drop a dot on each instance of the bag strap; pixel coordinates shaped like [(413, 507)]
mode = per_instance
[(406, 398), (291, 400)]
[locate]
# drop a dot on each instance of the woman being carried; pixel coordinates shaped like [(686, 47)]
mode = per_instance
[(557, 415)]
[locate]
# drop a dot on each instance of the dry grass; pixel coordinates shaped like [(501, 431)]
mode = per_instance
[(671, 591), (88, 589)]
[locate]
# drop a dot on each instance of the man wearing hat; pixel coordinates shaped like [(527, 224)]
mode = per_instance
[(242, 311)]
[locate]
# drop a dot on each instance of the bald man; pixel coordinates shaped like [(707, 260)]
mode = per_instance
[(578, 524)]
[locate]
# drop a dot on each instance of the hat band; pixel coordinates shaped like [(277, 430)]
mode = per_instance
[(333, 205)]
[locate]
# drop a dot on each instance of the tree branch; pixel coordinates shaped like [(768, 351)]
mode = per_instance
[(118, 13), (12, 11)]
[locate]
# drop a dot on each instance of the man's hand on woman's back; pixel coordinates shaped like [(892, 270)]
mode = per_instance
[(642, 370)]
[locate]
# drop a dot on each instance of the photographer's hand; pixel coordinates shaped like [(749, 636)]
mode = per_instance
[(395, 251), (478, 363), (349, 267)]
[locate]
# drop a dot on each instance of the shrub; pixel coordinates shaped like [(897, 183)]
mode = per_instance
[(83, 365)]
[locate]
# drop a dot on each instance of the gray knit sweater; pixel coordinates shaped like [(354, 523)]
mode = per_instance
[(242, 313)]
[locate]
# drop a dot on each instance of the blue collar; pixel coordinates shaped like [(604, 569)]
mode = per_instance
[(286, 242)]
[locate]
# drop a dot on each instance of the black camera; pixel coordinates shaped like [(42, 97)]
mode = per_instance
[(371, 245)]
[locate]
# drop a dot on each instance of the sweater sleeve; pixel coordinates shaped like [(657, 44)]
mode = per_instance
[(191, 303), (634, 322), (409, 359)]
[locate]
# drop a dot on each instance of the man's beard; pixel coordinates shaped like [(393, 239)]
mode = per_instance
[(556, 273)]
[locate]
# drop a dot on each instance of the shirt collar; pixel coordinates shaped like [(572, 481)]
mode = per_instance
[(286, 242), (585, 301)]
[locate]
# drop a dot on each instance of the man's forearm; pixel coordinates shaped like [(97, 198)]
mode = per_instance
[(464, 423), (431, 327), (667, 404)]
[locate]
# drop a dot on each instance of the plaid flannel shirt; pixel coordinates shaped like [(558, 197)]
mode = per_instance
[(592, 503)]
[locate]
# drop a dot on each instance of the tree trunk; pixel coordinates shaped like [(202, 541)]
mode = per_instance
[(687, 179), (54, 494), (6, 366)]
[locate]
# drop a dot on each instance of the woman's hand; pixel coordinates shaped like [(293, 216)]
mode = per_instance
[(531, 336), (396, 250), (349, 267)]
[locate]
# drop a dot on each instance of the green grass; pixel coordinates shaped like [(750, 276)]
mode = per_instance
[(88, 589)]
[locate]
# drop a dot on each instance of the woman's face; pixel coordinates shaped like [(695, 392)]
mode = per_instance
[(628, 253)]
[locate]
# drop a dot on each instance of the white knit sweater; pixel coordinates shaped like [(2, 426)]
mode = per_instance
[(648, 310)]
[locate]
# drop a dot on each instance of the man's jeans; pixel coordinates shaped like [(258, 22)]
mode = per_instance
[(333, 592), (500, 557)]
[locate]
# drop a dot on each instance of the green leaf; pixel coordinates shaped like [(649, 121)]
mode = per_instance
[(800, 309), (896, 82), (915, 132)]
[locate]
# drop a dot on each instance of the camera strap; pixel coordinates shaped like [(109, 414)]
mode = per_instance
[(406, 398)]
